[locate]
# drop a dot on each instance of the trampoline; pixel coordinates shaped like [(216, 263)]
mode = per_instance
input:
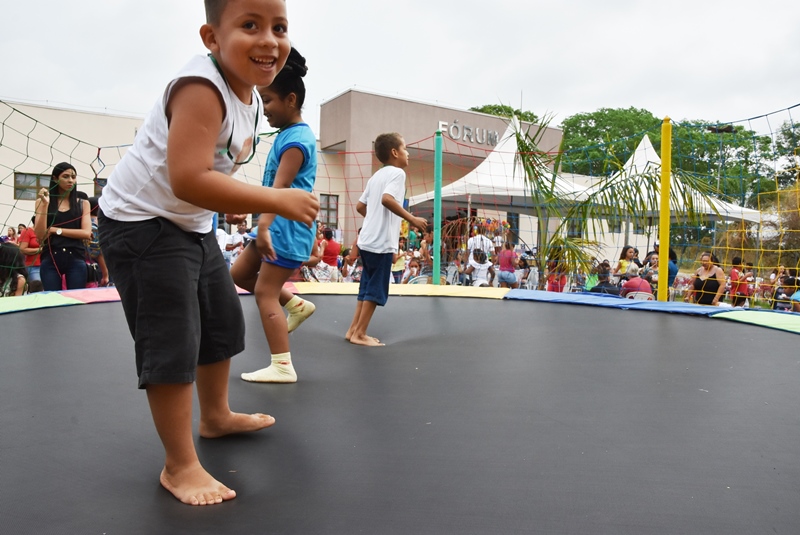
[(480, 416)]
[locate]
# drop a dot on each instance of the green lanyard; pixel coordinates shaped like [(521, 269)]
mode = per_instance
[(233, 124)]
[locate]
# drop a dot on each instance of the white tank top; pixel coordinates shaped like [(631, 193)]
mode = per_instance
[(139, 187)]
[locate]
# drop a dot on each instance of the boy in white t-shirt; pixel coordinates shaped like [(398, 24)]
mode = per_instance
[(381, 204)]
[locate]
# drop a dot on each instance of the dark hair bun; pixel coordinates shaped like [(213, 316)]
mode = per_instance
[(296, 64)]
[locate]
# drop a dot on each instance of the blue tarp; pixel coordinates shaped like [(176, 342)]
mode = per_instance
[(784, 321)]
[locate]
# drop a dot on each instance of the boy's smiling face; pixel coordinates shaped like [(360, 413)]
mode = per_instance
[(250, 43)]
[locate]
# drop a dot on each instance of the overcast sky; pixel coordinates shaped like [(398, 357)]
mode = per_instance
[(688, 59)]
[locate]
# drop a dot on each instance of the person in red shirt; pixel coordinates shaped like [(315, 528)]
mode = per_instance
[(739, 290), (330, 249), (635, 283), (30, 247)]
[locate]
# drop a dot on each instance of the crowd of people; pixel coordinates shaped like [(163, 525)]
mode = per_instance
[(59, 249), (154, 227)]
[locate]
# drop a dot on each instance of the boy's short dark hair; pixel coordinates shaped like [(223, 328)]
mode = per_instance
[(384, 144), (214, 9)]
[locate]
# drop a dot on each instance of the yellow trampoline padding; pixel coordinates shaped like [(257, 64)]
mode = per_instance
[(351, 288)]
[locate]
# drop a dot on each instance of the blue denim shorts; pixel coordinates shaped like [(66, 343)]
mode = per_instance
[(377, 269), (283, 262), (507, 276), (179, 299)]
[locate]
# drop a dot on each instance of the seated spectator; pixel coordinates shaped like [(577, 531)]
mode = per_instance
[(411, 271), (795, 300), (634, 283), (650, 271), (672, 268), (11, 236), (12, 270), (479, 269), (604, 285), (708, 282), (29, 247), (523, 272), (625, 260), (351, 265), (784, 290), (328, 266), (739, 285), (556, 278)]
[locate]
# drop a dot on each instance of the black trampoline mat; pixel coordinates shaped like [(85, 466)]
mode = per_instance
[(480, 416)]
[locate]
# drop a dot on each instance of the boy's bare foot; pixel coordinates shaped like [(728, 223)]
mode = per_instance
[(366, 340), (234, 422), (195, 486)]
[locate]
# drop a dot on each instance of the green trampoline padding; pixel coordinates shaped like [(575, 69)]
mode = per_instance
[(36, 300), (784, 321)]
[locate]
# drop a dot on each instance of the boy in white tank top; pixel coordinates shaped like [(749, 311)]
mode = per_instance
[(155, 230)]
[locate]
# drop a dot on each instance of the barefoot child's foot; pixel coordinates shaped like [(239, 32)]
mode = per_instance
[(366, 340), (233, 423), (195, 486)]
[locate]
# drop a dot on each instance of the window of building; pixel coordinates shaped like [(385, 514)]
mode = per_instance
[(615, 225), (27, 186), (513, 222), (575, 228), (329, 210), (640, 225)]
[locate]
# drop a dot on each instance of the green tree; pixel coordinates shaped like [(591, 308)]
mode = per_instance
[(502, 110), (590, 138), (787, 146), (736, 163)]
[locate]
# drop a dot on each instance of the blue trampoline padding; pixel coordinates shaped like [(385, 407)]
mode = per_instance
[(612, 301)]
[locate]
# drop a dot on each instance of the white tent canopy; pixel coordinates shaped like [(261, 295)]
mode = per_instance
[(645, 160), (498, 182)]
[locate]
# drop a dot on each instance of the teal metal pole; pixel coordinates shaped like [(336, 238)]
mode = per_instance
[(437, 207)]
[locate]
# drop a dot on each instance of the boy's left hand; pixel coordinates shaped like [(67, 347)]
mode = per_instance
[(264, 244)]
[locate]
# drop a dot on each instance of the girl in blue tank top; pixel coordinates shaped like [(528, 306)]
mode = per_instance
[(281, 246)]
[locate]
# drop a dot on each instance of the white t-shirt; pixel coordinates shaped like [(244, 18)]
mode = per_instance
[(237, 239), (222, 239), (480, 272), (380, 232), (479, 242), (139, 188)]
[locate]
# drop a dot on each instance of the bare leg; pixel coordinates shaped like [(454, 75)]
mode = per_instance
[(352, 327), (285, 297), (183, 476), (245, 270), (269, 291), (216, 417), (359, 335)]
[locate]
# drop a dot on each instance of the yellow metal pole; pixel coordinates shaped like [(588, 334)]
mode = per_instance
[(664, 210)]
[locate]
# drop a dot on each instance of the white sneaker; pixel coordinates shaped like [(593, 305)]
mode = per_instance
[(299, 314)]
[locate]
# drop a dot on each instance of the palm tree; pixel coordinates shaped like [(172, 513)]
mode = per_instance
[(618, 195)]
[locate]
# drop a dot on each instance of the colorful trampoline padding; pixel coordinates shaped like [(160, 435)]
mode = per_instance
[(784, 321)]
